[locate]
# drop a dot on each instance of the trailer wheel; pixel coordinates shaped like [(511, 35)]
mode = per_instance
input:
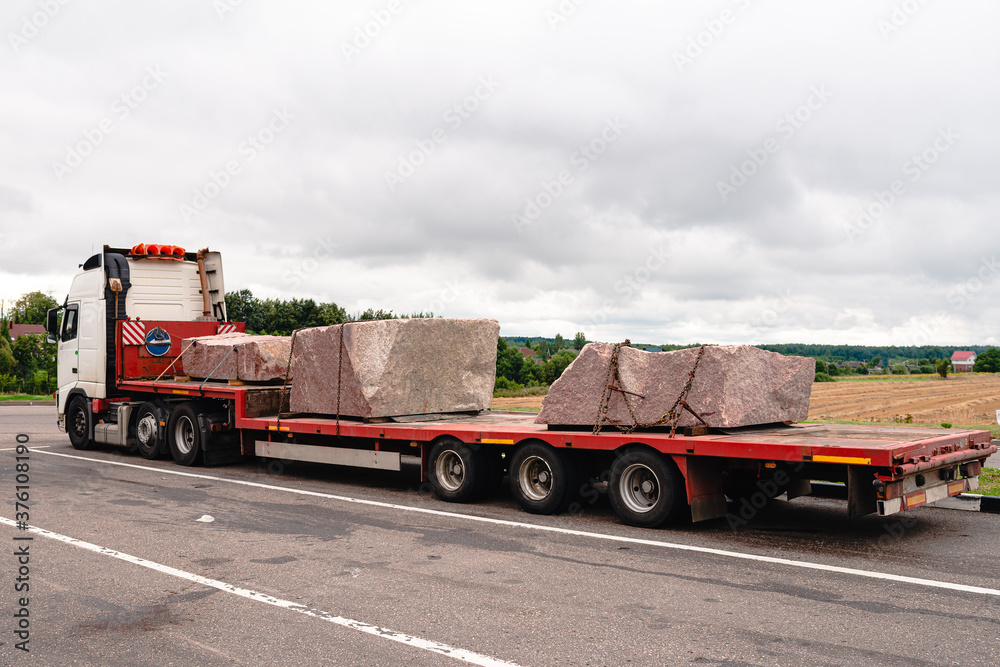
[(184, 435), (542, 480), (455, 471), (646, 489), (78, 423), (147, 429)]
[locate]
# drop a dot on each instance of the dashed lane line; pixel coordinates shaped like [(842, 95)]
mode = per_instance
[(360, 626)]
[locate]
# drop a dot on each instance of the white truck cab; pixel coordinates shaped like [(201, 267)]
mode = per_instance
[(145, 282)]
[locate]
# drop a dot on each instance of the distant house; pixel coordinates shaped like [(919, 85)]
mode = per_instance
[(530, 354), (19, 329), (962, 361)]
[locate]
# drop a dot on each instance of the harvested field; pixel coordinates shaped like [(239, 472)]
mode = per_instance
[(533, 403), (961, 399)]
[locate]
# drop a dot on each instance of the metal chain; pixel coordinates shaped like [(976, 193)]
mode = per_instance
[(613, 383)]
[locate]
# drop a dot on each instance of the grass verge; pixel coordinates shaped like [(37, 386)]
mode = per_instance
[(989, 482), (24, 397)]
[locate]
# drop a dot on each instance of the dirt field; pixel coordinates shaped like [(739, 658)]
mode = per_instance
[(961, 399)]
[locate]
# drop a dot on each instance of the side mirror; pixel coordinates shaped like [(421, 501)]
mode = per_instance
[(52, 320), (52, 325)]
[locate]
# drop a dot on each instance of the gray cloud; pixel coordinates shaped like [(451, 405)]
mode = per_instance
[(635, 240)]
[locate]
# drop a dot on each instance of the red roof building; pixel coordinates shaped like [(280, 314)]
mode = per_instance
[(18, 329), (962, 361)]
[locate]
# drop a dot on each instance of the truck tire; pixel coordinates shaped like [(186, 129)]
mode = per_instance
[(79, 422), (457, 473), (646, 489), (184, 435), (147, 432), (542, 480)]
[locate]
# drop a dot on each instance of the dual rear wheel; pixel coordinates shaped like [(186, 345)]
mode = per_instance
[(645, 487)]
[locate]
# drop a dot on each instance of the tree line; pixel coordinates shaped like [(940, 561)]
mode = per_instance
[(280, 317)]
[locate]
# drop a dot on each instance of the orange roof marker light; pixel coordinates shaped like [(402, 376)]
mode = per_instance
[(158, 251)]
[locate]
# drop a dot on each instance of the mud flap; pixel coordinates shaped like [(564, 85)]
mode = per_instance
[(861, 496)]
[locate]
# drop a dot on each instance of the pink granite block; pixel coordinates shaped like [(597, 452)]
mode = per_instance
[(734, 385), (396, 367), (255, 359)]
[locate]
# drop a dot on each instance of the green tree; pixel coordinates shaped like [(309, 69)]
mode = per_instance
[(943, 367), (579, 340), (821, 366), (876, 360), (31, 308), (510, 362), (7, 362), (33, 355), (556, 365), (558, 343), (988, 361), (543, 349)]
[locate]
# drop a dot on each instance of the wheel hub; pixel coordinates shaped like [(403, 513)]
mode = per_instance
[(534, 477), (639, 488)]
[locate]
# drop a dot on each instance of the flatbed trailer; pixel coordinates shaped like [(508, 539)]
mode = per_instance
[(119, 346), (652, 477)]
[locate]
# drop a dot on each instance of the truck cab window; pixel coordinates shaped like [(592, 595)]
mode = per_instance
[(69, 324)]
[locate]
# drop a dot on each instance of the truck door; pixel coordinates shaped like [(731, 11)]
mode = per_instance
[(68, 355)]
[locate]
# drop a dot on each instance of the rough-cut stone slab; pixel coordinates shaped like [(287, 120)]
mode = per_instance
[(396, 367), (256, 358), (735, 385)]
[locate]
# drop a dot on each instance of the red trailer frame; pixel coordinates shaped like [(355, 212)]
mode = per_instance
[(886, 469)]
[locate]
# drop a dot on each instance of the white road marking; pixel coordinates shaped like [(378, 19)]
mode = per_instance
[(870, 574), (32, 448), (384, 633)]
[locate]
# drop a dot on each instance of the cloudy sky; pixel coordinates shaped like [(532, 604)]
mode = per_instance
[(731, 171)]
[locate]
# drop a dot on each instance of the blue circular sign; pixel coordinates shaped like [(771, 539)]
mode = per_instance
[(157, 342)]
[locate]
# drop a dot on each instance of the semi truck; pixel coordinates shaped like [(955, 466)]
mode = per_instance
[(121, 383)]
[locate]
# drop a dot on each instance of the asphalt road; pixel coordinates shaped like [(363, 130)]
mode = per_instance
[(295, 570)]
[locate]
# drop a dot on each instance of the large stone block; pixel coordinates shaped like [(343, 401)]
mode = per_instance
[(734, 385), (392, 368), (255, 359)]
